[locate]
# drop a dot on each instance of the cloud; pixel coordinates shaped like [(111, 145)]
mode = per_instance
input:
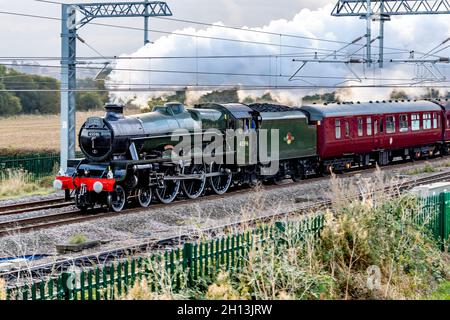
[(419, 33)]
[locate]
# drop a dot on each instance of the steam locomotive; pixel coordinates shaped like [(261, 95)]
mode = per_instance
[(136, 157)]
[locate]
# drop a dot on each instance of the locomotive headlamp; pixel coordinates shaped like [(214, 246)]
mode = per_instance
[(98, 187), (57, 184)]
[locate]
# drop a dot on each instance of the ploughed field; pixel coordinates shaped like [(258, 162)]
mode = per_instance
[(37, 132)]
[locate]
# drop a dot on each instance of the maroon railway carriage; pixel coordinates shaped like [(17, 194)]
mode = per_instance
[(360, 133)]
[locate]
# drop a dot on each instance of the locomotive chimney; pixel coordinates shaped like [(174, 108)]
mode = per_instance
[(114, 111)]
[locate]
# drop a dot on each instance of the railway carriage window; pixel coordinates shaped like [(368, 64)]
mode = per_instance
[(390, 124), (403, 123), (360, 127), (338, 129), (381, 125), (415, 122), (369, 126), (347, 129), (435, 120), (426, 121), (375, 127)]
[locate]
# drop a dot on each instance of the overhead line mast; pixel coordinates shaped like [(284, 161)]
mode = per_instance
[(382, 10), (69, 28)]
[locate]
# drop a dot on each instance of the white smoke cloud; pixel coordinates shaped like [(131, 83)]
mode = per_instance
[(419, 33)]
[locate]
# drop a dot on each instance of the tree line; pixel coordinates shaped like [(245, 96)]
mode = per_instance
[(35, 94)]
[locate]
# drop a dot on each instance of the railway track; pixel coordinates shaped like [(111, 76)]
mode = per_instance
[(23, 225), (103, 257), (25, 207)]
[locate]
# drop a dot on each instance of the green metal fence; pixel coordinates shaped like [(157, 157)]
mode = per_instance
[(434, 214), (183, 266), (33, 167)]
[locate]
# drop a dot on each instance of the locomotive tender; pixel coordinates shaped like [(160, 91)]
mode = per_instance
[(132, 157)]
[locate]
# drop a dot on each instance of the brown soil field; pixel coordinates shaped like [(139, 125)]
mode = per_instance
[(37, 133)]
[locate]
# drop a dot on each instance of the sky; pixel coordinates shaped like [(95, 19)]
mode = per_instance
[(20, 36), (36, 37)]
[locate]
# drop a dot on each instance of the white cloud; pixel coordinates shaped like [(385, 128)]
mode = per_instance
[(418, 33)]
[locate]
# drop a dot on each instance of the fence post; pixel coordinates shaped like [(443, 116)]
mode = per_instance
[(187, 261), (66, 283)]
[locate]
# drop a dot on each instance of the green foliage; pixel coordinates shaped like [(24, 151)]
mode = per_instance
[(88, 101), (442, 292), (383, 235), (179, 96), (321, 98), (47, 100), (225, 96), (153, 102), (101, 95), (266, 97), (9, 104), (43, 102)]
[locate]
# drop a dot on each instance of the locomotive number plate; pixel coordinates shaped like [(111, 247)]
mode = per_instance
[(94, 134)]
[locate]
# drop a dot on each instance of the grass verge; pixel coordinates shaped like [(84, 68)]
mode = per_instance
[(18, 183)]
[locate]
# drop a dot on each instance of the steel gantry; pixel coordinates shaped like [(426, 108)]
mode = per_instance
[(382, 10), (69, 27)]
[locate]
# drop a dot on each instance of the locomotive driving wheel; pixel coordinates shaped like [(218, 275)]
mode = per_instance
[(194, 188), (221, 183), (169, 189), (145, 195), (117, 199)]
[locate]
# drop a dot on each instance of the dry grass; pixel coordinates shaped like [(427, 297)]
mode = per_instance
[(15, 183), (2, 290), (37, 132)]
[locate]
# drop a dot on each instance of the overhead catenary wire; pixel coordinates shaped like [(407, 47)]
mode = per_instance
[(173, 32), (171, 88), (207, 73), (278, 34)]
